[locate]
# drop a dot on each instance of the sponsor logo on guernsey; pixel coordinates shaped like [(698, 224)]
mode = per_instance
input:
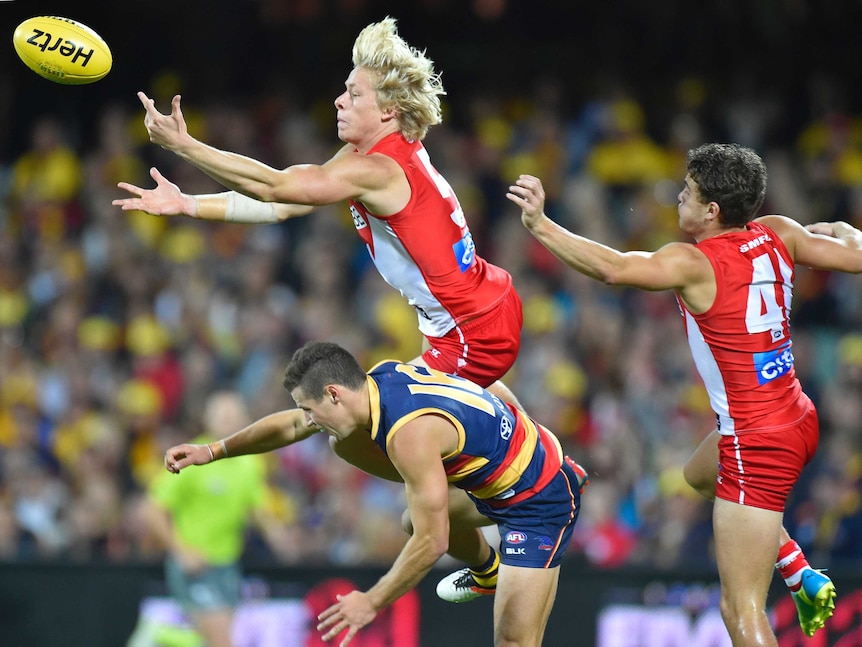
[(756, 242), (358, 221), (458, 217), (515, 551), (545, 542), (516, 537), (773, 364), (465, 252), (505, 428)]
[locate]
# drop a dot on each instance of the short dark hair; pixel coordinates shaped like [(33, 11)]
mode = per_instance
[(732, 176), (319, 363)]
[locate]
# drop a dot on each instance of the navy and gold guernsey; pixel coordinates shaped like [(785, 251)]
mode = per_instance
[(512, 467)]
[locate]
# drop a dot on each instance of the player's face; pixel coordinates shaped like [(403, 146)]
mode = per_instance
[(358, 114), (691, 209), (324, 413)]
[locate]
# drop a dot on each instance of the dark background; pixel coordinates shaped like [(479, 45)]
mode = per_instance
[(236, 51)]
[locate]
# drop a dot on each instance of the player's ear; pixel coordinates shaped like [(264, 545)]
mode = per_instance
[(713, 211), (331, 393)]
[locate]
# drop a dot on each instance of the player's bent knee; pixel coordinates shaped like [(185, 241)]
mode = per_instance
[(703, 486)]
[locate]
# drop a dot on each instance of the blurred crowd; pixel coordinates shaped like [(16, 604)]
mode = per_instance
[(114, 327)]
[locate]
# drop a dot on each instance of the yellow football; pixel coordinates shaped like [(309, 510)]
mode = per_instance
[(62, 50)]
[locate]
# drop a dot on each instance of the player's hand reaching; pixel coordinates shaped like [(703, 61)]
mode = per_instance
[(529, 194), (181, 456), (822, 228), (164, 200), (840, 230), (351, 612), (168, 131)]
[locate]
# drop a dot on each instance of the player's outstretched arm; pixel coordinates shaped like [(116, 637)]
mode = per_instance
[(270, 432), (833, 246), (676, 266), (166, 199), (347, 175), (846, 233)]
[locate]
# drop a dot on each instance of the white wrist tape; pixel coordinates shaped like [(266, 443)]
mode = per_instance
[(241, 208)]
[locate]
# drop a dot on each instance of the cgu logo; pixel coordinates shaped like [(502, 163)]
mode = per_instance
[(46, 42), (465, 252), (773, 364)]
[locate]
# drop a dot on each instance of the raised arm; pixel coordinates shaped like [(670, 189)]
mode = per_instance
[(416, 452), (348, 175), (166, 199), (676, 266), (834, 246), (271, 432)]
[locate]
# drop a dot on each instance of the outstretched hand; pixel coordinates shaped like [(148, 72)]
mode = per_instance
[(164, 200), (181, 456), (351, 612), (168, 131), (529, 194)]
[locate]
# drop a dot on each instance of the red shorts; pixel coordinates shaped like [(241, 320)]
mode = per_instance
[(483, 349), (759, 468)]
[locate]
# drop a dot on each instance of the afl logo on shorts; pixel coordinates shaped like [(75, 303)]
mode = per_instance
[(515, 537)]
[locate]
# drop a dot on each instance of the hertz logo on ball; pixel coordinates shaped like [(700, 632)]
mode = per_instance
[(62, 50)]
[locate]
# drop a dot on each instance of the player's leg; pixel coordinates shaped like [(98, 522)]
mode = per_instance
[(745, 538), (525, 597), (208, 599), (701, 470), (215, 626), (812, 590)]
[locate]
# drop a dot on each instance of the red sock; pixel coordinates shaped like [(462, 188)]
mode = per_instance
[(791, 563)]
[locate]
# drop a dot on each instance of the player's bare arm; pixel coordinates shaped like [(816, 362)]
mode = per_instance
[(416, 451), (676, 266), (375, 180), (166, 199), (833, 246), (271, 432)]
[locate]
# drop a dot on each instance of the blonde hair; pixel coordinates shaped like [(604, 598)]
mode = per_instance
[(405, 77)]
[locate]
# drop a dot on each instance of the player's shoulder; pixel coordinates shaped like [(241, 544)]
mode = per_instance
[(681, 250), (373, 170), (779, 224), (788, 230)]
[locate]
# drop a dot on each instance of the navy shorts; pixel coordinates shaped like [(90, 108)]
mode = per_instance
[(535, 532)]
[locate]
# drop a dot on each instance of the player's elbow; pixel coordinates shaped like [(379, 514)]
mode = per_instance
[(611, 275), (435, 543), (439, 546)]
